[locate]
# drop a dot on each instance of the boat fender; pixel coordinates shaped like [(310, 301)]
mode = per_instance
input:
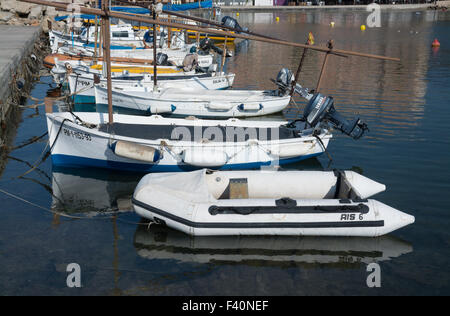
[(292, 150), (202, 157), (250, 107), (161, 109), (218, 106), (136, 151)]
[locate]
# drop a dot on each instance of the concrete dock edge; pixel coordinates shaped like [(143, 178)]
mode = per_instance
[(17, 43)]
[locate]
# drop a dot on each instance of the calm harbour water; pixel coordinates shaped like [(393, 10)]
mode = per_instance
[(406, 106)]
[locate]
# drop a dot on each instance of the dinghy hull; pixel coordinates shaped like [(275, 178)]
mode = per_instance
[(218, 203)]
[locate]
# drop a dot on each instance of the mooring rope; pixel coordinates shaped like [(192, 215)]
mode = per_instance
[(14, 196)]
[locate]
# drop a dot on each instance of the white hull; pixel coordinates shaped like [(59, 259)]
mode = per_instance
[(303, 203), (74, 144), (199, 103), (83, 85)]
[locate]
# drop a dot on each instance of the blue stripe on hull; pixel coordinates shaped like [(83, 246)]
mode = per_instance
[(73, 161), (80, 99)]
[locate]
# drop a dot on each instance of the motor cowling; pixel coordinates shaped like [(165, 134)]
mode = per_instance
[(321, 108), (162, 59), (284, 81), (232, 23)]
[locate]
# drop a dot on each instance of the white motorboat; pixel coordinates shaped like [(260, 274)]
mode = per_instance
[(82, 85), (184, 101)]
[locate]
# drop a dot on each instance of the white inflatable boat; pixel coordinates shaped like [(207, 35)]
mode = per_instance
[(315, 203)]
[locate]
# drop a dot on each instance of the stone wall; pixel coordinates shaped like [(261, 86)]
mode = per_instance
[(21, 13)]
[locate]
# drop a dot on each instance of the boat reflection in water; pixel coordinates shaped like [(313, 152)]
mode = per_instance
[(160, 242), (93, 191)]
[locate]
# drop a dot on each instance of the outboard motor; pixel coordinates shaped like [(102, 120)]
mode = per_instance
[(162, 59), (284, 82), (206, 45), (321, 108), (231, 22)]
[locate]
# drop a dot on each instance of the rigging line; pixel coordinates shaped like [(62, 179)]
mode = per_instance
[(324, 147), (31, 141), (42, 172), (66, 215), (38, 162)]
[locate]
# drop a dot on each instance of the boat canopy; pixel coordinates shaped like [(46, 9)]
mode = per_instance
[(136, 10), (188, 186)]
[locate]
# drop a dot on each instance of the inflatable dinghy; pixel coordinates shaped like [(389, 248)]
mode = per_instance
[(313, 203)]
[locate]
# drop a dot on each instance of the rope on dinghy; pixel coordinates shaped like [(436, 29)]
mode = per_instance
[(323, 146)]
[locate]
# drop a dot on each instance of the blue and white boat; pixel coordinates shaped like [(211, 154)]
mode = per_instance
[(156, 143)]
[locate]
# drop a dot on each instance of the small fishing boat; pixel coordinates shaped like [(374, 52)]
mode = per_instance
[(50, 60), (306, 203), (143, 57), (184, 101), (62, 69), (82, 85), (154, 143)]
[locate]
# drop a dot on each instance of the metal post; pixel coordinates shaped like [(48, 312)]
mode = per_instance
[(169, 33), (107, 57), (96, 35), (299, 69), (224, 54), (322, 71), (155, 69)]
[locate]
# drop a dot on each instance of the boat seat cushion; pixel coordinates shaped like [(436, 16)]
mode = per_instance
[(236, 189), (144, 131)]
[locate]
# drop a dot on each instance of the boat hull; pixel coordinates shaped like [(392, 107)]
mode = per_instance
[(204, 104), (302, 203), (75, 145), (380, 220), (82, 86)]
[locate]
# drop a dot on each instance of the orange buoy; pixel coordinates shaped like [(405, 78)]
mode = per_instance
[(435, 43)]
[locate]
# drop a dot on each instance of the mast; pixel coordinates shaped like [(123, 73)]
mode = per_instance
[(107, 56), (155, 69)]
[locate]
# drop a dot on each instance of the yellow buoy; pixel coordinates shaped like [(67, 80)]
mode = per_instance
[(363, 27), (278, 19), (237, 13)]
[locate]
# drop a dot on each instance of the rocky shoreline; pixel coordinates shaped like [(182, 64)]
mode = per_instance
[(21, 13)]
